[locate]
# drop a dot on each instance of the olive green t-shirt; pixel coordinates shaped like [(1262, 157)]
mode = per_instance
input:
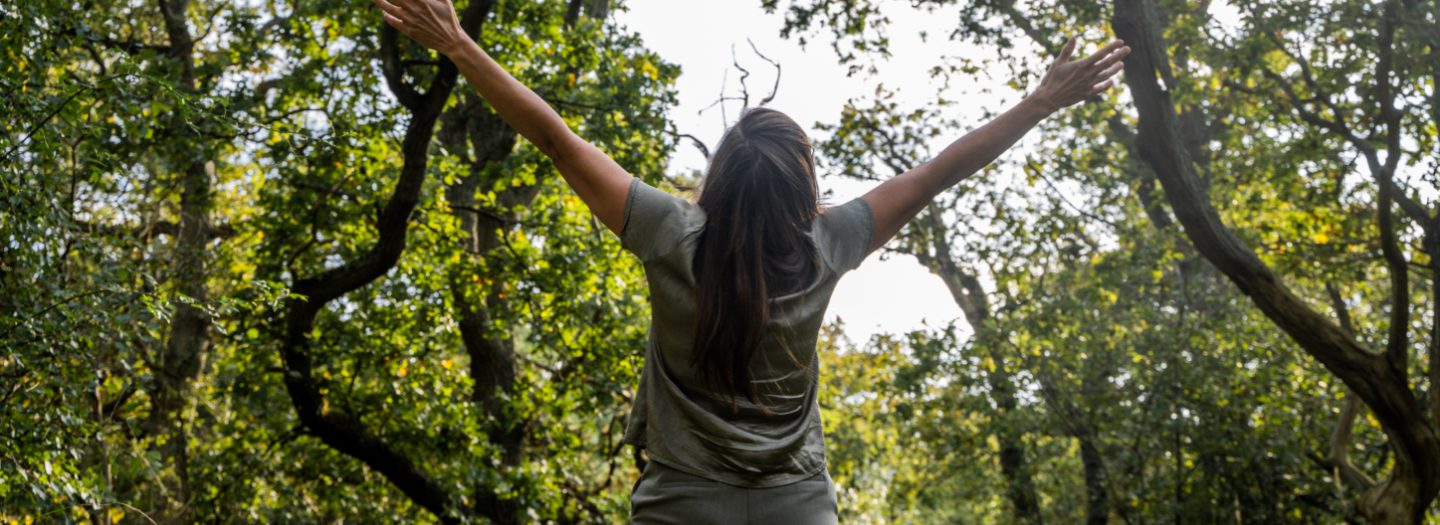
[(675, 418)]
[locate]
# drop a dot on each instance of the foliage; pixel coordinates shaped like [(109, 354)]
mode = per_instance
[(253, 272), (287, 107), (1094, 311)]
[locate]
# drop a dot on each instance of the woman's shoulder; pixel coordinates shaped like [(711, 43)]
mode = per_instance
[(656, 221), (843, 232)]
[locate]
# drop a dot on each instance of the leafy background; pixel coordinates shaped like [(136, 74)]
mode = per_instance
[(267, 262)]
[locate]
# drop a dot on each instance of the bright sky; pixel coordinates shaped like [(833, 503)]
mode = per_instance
[(893, 295)]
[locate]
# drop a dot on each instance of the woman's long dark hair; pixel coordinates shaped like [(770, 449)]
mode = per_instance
[(760, 199)]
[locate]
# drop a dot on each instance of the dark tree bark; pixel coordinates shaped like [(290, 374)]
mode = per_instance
[(1077, 423), (1414, 479), (336, 428), (470, 126), (187, 343)]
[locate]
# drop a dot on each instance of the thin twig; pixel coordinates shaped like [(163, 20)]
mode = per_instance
[(776, 87)]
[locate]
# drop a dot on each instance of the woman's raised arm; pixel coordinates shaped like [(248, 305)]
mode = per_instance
[(897, 200), (601, 183)]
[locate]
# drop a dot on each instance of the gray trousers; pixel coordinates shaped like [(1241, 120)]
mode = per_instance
[(665, 495)]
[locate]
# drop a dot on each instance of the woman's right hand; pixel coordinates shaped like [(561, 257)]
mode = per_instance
[(1068, 82), (432, 23)]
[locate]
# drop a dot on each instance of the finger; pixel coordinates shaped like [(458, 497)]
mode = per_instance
[(1066, 51), (1113, 57), (392, 20), (388, 7), (1111, 71), (1101, 87), (1112, 46)]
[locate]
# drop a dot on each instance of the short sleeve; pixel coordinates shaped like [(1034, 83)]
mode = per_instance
[(656, 221), (844, 234)]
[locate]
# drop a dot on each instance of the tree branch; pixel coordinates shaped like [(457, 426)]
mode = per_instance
[(773, 88), (1338, 461), (338, 429), (1399, 336), (129, 46), (148, 231), (744, 74), (394, 69), (1368, 374)]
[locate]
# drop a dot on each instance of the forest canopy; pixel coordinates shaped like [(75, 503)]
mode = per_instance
[(274, 262)]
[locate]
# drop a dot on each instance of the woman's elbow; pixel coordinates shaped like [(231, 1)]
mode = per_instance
[(550, 145)]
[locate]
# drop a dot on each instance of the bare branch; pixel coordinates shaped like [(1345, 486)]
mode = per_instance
[(151, 230), (1306, 74), (1039, 173), (744, 74), (1342, 313), (699, 144), (129, 46), (774, 88)]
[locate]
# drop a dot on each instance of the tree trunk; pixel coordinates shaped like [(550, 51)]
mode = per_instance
[(186, 346), (492, 356), (969, 294), (1415, 478)]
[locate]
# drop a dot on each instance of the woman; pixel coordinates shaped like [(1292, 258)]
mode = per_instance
[(739, 281)]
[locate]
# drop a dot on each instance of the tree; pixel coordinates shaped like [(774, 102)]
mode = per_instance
[(1379, 379), (1227, 141), (330, 323)]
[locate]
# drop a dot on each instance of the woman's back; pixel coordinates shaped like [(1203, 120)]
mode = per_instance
[(688, 426), (762, 192)]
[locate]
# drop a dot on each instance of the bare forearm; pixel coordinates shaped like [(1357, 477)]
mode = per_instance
[(978, 148), (894, 202), (517, 104), (595, 177), (901, 198)]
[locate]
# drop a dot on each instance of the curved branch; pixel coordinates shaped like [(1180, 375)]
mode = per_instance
[(338, 429), (394, 69), (1338, 461), (1372, 377), (775, 88)]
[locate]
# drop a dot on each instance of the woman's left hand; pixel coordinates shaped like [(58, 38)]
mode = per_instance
[(1070, 81), (432, 23)]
